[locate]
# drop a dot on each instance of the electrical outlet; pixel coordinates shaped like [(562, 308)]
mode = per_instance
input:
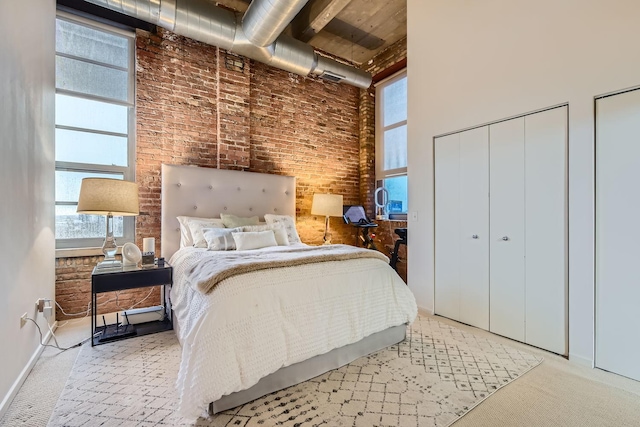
[(40, 305), (23, 319)]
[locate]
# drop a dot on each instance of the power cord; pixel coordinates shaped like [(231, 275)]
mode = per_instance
[(57, 346)]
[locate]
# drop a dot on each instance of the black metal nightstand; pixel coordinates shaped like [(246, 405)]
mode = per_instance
[(109, 280)]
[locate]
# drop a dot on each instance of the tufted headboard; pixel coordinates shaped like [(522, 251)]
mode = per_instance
[(207, 192)]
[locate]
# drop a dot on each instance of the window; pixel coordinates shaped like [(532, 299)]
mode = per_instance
[(94, 123), (391, 140)]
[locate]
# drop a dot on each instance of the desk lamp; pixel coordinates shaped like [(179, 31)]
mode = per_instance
[(327, 205), (103, 196)]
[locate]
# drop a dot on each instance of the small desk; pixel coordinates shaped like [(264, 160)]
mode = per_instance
[(109, 280)]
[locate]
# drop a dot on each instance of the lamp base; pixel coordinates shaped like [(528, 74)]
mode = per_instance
[(327, 233)]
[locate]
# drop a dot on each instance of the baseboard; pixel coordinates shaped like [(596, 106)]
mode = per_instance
[(15, 388), (583, 361), (425, 312)]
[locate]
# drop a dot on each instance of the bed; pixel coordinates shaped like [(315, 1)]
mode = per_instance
[(261, 331)]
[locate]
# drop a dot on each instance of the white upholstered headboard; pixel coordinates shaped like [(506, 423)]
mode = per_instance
[(207, 192)]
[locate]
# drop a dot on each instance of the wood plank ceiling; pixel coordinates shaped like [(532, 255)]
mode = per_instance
[(355, 30)]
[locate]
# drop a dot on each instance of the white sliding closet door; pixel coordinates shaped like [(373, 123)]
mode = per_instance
[(507, 231), (545, 230), (618, 234), (474, 227), (462, 227), (447, 232)]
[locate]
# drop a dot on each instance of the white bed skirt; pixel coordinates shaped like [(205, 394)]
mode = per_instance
[(311, 368)]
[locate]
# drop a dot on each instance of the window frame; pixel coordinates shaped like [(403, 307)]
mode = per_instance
[(381, 173), (128, 172)]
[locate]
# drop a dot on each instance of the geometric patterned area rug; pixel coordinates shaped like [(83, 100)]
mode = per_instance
[(432, 378)]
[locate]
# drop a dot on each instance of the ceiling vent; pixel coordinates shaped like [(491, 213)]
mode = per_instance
[(332, 77)]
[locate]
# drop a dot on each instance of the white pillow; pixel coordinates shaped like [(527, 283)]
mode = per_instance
[(288, 223), (197, 224), (220, 239), (254, 240), (232, 221), (186, 239), (278, 231)]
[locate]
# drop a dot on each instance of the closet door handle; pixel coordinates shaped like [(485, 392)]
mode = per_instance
[(475, 236), (505, 238)]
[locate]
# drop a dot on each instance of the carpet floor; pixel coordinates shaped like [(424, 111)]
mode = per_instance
[(432, 378), (556, 393)]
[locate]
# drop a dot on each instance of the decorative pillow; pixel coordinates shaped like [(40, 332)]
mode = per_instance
[(232, 221), (220, 239), (278, 231), (186, 235), (288, 223), (254, 240), (196, 226)]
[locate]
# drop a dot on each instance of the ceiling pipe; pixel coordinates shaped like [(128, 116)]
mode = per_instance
[(203, 21), (265, 20)]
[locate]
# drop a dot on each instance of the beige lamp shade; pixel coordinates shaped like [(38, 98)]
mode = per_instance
[(102, 196), (327, 205)]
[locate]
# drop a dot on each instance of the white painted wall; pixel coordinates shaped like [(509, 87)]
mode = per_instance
[(27, 245), (473, 62)]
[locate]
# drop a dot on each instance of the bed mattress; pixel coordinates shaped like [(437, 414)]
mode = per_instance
[(255, 323)]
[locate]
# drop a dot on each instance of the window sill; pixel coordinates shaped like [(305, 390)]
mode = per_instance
[(82, 252)]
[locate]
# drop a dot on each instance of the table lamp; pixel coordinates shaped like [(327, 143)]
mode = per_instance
[(103, 196), (327, 205)]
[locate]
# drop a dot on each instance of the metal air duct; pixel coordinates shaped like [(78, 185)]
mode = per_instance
[(203, 21), (265, 20)]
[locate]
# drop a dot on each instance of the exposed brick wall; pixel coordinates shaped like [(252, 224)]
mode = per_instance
[(308, 129), (234, 113), (366, 109), (385, 59), (176, 115), (192, 110)]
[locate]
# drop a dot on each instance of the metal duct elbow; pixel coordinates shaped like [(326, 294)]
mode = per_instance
[(243, 46), (265, 20), (335, 71)]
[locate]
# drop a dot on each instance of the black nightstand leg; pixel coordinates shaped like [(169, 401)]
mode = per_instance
[(94, 313)]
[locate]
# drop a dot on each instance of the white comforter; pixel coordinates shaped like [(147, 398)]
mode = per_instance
[(253, 324)]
